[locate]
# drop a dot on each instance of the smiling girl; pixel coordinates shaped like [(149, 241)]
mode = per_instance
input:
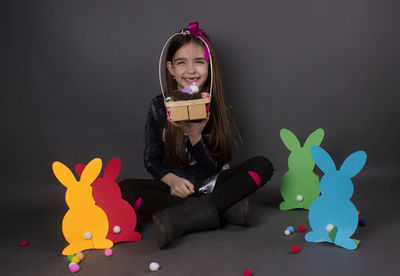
[(193, 187)]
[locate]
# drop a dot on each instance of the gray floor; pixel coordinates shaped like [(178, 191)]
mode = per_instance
[(262, 248)]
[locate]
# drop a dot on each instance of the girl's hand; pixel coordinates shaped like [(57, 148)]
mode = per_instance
[(192, 129), (180, 187)]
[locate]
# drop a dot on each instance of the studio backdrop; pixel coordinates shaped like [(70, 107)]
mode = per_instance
[(78, 77)]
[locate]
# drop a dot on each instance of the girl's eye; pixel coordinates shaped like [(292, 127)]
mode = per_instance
[(201, 62)]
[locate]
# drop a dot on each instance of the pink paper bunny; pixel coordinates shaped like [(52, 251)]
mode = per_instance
[(107, 195)]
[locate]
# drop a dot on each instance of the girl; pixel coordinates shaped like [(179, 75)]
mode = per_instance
[(193, 184)]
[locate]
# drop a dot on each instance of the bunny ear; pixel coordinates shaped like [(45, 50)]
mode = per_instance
[(91, 171), (314, 138), (63, 174), (112, 169), (353, 163), (79, 168), (289, 139), (322, 159)]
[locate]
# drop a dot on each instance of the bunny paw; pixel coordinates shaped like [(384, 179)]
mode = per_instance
[(290, 204), (103, 243), (347, 243), (316, 237), (75, 248)]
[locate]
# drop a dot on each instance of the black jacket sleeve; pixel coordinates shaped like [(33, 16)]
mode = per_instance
[(154, 146)]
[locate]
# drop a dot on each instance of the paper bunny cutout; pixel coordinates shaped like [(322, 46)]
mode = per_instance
[(107, 195), (85, 225), (333, 208), (300, 185)]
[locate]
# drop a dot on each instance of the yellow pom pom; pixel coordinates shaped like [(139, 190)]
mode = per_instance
[(75, 259)]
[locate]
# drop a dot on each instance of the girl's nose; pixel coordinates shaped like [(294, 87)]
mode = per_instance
[(190, 67)]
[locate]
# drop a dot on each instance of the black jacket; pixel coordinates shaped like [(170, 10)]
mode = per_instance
[(202, 165)]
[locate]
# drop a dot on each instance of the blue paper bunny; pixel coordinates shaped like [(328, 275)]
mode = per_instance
[(333, 208)]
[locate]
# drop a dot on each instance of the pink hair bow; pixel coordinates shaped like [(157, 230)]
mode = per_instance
[(196, 32)]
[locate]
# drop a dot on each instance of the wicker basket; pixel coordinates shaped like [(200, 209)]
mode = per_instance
[(188, 109)]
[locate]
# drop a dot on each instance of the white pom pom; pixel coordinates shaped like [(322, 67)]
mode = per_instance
[(299, 198), (287, 232), (154, 266), (329, 227), (87, 235), (117, 229), (71, 263)]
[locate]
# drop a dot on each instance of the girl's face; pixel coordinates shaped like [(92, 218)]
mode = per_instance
[(189, 65)]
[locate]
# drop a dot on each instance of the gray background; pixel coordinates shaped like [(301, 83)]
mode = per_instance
[(77, 78)]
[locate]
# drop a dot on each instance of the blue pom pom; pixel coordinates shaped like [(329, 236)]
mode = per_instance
[(290, 228)]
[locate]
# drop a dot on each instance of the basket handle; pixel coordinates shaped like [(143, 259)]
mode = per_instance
[(162, 53)]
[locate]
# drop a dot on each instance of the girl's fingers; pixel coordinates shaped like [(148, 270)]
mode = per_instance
[(182, 190), (189, 186)]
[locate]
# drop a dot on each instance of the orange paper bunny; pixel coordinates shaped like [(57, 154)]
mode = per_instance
[(85, 225)]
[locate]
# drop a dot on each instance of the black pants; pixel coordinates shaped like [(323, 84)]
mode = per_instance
[(231, 186)]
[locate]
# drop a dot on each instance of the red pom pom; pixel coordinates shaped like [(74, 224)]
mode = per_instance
[(295, 249), (24, 243), (247, 273), (302, 228)]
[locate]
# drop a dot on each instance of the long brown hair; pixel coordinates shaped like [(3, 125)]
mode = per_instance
[(217, 132)]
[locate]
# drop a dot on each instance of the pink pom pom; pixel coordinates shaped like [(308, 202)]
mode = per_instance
[(295, 249), (24, 243), (108, 252), (302, 228), (74, 268), (247, 273)]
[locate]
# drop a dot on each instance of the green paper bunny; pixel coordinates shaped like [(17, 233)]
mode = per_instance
[(300, 185)]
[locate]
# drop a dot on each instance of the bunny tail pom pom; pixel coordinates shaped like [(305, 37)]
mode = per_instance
[(299, 198), (116, 229), (154, 266), (287, 232), (246, 272), (74, 268), (302, 228), (87, 236), (329, 227), (108, 252), (362, 222), (295, 249)]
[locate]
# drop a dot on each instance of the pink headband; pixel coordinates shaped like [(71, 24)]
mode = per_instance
[(196, 32)]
